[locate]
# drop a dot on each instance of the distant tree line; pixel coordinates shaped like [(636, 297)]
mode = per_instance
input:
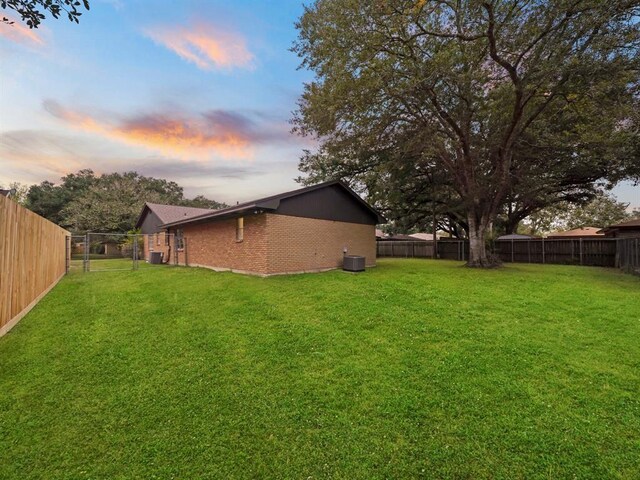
[(86, 202)]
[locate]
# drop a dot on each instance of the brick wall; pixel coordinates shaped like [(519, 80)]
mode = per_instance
[(157, 242), (277, 244), (214, 245), (299, 244)]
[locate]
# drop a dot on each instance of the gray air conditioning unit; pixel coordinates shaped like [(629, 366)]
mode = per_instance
[(353, 263), (155, 258)]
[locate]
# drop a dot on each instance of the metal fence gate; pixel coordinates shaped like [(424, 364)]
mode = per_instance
[(100, 252)]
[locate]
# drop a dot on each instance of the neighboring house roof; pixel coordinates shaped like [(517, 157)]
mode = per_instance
[(380, 233), (578, 232), (5, 193), (425, 236), (516, 236), (170, 213), (629, 224), (271, 204), (402, 236)]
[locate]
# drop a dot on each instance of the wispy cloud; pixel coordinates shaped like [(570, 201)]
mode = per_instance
[(206, 45), (19, 33), (30, 156), (190, 136)]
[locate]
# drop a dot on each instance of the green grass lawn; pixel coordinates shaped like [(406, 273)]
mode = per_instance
[(414, 369)]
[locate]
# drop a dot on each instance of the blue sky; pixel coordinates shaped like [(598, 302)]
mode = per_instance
[(196, 92), (199, 92)]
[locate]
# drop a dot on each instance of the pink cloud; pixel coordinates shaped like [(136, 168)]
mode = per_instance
[(19, 33), (205, 45), (183, 134)]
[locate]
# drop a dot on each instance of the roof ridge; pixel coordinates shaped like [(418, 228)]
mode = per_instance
[(271, 202)]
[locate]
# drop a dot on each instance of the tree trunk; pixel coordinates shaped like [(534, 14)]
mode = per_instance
[(511, 226), (478, 254)]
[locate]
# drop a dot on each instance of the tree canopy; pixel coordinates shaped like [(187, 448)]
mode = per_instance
[(32, 12), (107, 203), (485, 111), (603, 210)]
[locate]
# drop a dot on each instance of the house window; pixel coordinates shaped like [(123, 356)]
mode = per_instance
[(239, 229), (179, 239), (158, 239), (167, 239)]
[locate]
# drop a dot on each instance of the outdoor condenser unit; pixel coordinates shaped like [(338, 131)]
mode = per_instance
[(353, 263), (155, 258)]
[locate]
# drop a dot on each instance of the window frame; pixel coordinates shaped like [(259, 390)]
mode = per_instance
[(180, 239)]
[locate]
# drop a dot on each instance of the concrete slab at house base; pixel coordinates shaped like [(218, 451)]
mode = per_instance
[(262, 275)]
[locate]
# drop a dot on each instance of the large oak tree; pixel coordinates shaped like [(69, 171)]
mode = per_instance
[(510, 105)]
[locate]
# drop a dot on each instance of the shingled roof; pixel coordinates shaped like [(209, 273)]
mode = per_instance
[(631, 224), (171, 213), (271, 204), (628, 224), (578, 232)]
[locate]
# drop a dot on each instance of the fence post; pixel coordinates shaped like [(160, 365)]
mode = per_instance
[(85, 263), (135, 252), (392, 253), (580, 251), (175, 249), (529, 250), (67, 253), (512, 250), (542, 249)]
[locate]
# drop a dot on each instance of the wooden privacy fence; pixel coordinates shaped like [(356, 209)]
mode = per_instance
[(33, 257), (602, 252), (628, 255), (449, 249), (404, 248)]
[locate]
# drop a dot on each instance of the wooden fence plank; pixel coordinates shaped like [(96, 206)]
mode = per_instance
[(603, 252), (33, 255)]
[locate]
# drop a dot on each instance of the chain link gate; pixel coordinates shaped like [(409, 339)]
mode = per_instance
[(76, 253), (106, 252), (102, 252)]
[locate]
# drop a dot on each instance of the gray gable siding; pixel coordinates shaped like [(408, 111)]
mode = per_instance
[(151, 223), (330, 203)]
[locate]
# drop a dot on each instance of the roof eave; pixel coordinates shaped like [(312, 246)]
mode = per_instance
[(245, 210)]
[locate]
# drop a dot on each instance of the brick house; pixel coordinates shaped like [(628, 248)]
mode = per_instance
[(628, 229), (305, 230), (150, 222)]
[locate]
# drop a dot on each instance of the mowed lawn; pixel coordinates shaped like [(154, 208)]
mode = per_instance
[(414, 369)]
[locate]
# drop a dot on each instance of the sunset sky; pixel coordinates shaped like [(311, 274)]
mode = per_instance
[(199, 92)]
